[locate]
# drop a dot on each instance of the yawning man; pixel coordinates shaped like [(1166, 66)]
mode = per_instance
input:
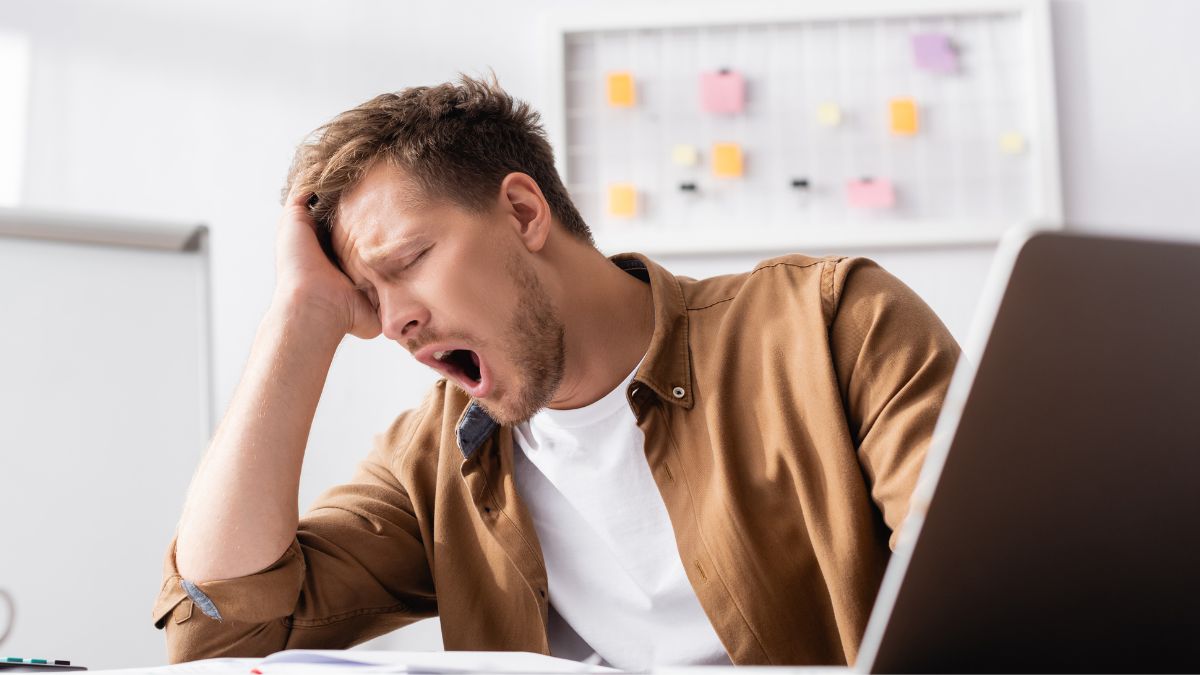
[(618, 464)]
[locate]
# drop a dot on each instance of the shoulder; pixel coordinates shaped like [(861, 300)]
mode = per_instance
[(820, 280)]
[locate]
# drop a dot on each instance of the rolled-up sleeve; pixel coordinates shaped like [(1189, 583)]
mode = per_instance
[(233, 617), (356, 569)]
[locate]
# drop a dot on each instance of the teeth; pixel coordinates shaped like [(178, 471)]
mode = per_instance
[(441, 356)]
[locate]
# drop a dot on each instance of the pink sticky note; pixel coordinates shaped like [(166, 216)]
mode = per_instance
[(871, 193), (934, 52), (722, 92)]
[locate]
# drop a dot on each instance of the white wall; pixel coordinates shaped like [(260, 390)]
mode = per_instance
[(190, 111), (1128, 109)]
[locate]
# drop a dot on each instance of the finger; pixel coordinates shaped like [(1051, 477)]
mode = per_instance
[(300, 200), (297, 207), (298, 197)]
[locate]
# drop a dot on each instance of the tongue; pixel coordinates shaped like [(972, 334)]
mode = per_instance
[(475, 359)]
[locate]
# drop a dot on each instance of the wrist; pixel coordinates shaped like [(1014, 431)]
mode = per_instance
[(314, 318)]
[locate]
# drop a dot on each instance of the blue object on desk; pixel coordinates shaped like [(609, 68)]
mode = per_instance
[(16, 664)]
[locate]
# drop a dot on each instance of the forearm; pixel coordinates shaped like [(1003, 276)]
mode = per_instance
[(241, 511)]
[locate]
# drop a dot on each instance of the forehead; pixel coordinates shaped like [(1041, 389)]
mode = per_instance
[(381, 212)]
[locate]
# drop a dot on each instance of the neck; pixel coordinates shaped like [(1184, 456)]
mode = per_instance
[(608, 319)]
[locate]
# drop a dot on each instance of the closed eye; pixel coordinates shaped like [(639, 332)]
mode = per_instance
[(420, 256), (369, 290)]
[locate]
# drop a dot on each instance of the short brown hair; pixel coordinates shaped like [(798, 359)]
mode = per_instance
[(457, 140)]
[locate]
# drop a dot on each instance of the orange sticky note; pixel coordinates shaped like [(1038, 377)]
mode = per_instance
[(622, 200), (904, 117), (871, 194), (727, 160), (621, 91)]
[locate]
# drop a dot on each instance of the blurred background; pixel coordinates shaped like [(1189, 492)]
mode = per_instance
[(185, 114)]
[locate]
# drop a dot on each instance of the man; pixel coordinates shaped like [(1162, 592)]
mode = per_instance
[(618, 464)]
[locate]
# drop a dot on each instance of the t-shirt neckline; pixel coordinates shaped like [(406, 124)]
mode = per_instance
[(598, 411)]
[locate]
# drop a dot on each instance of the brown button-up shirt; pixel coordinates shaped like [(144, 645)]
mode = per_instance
[(786, 413)]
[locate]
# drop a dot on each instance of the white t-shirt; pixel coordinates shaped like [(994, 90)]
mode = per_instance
[(617, 585)]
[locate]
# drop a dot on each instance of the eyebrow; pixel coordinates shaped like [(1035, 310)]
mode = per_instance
[(378, 255)]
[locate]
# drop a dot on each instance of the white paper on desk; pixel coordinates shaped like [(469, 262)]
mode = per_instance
[(202, 667), (307, 661)]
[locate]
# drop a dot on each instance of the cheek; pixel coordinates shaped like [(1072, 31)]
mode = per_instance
[(477, 303), (479, 289), (496, 308)]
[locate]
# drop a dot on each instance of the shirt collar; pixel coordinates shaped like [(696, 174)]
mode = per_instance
[(666, 369)]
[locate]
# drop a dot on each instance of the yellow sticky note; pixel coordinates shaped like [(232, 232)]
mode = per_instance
[(621, 90), (904, 117), (622, 200), (1012, 143), (685, 155), (727, 160), (829, 115)]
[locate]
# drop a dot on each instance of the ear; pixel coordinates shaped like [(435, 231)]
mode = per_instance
[(523, 202)]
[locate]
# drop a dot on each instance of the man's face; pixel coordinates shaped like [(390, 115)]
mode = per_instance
[(457, 289)]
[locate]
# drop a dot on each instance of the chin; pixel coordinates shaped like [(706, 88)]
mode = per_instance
[(501, 414), (502, 407)]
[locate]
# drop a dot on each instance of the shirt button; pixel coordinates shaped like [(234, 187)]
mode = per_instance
[(678, 392)]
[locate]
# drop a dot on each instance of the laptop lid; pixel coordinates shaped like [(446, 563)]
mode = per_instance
[(1056, 524)]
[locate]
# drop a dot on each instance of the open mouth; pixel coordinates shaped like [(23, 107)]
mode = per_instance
[(461, 362), (460, 365)]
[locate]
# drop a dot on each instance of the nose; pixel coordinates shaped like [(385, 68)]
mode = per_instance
[(401, 316)]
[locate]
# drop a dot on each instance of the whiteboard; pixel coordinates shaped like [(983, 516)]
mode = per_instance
[(104, 413), (983, 157)]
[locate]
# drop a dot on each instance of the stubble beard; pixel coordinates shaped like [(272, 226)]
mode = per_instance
[(536, 343)]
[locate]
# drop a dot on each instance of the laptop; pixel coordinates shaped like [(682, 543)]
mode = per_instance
[(1056, 523)]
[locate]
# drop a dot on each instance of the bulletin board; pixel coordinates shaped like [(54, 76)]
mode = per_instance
[(711, 129)]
